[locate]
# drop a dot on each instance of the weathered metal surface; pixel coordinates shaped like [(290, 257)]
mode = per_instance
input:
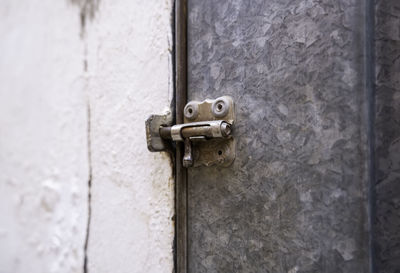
[(187, 160), (208, 109), (219, 152), (213, 151), (155, 142), (387, 131), (213, 142), (180, 67), (210, 128), (295, 198)]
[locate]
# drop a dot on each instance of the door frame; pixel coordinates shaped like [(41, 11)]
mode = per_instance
[(181, 182)]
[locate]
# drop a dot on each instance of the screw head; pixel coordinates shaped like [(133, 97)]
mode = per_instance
[(191, 110), (220, 107)]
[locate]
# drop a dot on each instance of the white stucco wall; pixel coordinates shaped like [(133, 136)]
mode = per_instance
[(72, 107), (129, 72)]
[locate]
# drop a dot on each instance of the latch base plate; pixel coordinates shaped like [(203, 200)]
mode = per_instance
[(216, 151)]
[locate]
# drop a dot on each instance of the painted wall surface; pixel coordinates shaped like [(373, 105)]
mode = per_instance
[(129, 73), (79, 192), (43, 138)]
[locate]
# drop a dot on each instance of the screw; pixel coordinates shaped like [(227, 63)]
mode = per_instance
[(220, 107), (191, 110)]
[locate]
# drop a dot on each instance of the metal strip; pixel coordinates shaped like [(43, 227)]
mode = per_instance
[(181, 203)]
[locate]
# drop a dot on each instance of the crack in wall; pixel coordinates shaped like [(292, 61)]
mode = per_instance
[(89, 156), (89, 196), (87, 10)]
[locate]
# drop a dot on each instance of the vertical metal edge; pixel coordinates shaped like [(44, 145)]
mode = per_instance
[(181, 186), (370, 96)]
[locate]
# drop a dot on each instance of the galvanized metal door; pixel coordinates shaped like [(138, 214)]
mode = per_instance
[(296, 199)]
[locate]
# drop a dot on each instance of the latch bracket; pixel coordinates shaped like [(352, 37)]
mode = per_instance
[(206, 132)]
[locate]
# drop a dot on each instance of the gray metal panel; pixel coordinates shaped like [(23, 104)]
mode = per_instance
[(295, 199), (387, 224)]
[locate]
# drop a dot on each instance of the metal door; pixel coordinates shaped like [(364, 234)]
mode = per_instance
[(298, 197), (295, 199)]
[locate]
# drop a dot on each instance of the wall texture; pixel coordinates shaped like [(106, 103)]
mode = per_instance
[(129, 77), (43, 138), (78, 190)]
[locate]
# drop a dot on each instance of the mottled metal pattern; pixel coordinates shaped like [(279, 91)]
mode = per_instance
[(295, 199), (387, 130)]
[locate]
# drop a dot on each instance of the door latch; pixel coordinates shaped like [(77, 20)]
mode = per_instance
[(206, 132)]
